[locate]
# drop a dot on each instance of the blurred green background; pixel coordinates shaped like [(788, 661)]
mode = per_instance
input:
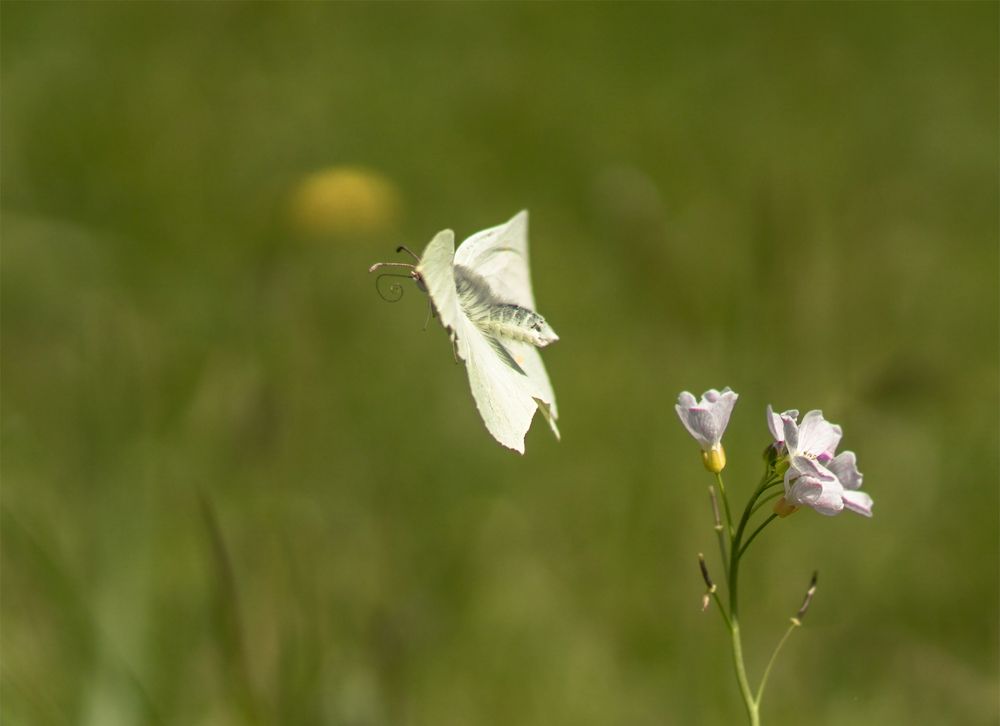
[(238, 487)]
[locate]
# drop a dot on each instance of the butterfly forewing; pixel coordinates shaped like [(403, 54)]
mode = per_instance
[(500, 255)]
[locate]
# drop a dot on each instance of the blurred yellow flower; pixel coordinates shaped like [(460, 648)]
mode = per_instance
[(341, 200)]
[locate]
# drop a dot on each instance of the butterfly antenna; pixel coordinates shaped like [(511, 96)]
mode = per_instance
[(380, 265), (407, 250), (393, 291)]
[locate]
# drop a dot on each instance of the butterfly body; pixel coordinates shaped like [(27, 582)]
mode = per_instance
[(502, 320)]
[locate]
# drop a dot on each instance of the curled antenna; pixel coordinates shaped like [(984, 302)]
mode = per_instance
[(393, 291)]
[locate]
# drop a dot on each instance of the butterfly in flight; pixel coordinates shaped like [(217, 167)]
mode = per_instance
[(482, 294)]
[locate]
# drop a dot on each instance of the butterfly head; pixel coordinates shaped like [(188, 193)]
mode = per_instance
[(394, 291)]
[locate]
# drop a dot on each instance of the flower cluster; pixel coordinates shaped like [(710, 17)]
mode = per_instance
[(816, 476)]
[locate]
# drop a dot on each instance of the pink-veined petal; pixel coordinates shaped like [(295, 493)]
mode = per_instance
[(722, 409), (776, 422), (704, 427), (830, 503), (845, 467), (706, 420), (802, 490), (817, 436), (791, 434), (775, 426), (805, 466), (858, 502), (818, 489)]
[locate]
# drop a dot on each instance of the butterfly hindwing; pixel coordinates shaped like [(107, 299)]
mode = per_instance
[(530, 361), (504, 355), (502, 395)]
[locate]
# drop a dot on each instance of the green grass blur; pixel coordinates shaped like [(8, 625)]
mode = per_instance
[(239, 488)]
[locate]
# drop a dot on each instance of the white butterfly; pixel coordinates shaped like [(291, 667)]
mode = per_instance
[(482, 294)]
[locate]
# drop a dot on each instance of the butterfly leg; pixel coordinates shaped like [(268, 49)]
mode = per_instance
[(431, 313)]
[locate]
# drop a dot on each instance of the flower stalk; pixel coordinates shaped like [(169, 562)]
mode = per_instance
[(802, 469)]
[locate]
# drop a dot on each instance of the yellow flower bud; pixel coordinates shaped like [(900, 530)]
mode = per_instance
[(782, 508), (714, 459)]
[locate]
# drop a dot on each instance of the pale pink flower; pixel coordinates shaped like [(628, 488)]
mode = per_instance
[(816, 477)]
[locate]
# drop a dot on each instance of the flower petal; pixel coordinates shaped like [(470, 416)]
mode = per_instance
[(823, 495), (722, 409), (845, 467), (686, 405), (817, 436), (706, 420), (804, 466), (858, 502), (704, 427), (776, 423), (791, 431), (830, 503), (692, 425), (686, 399), (775, 426), (817, 488), (802, 490), (710, 396)]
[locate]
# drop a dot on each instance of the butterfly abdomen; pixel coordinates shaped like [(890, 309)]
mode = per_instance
[(513, 322), (496, 318)]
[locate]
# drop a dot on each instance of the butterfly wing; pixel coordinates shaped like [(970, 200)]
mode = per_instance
[(500, 255), (503, 395), (437, 270), (530, 361)]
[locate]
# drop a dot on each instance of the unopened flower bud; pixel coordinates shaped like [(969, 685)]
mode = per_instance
[(782, 508)]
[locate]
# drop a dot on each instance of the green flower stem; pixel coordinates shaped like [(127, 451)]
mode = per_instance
[(737, 549), (722, 552), (764, 500), (725, 502), (722, 610), (755, 533), (753, 713), (737, 539), (719, 531), (767, 671), (753, 710)]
